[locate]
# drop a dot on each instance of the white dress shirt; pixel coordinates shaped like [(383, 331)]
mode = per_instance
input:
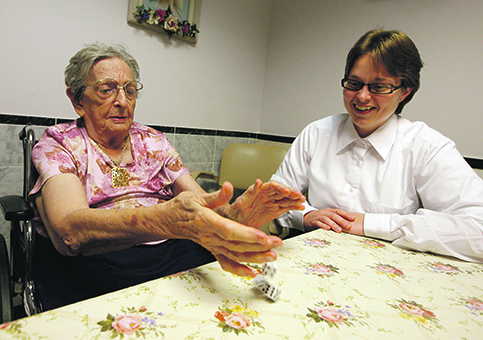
[(415, 188)]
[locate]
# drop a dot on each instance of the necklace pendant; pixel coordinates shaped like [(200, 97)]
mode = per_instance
[(119, 177)]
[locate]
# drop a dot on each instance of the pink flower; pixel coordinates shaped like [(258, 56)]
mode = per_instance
[(5, 325), (389, 270), (316, 242), (330, 315), (177, 274), (238, 321), (406, 307), (161, 14), (373, 243), (221, 315), (321, 269), (428, 313), (443, 267), (127, 324), (475, 303)]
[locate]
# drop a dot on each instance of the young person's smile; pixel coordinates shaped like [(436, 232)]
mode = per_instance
[(367, 110)]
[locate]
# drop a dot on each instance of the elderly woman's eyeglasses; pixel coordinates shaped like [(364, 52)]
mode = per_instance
[(109, 88), (377, 88)]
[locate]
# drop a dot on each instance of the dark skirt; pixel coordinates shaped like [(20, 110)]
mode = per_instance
[(62, 280)]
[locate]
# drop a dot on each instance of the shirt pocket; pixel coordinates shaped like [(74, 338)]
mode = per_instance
[(403, 209)]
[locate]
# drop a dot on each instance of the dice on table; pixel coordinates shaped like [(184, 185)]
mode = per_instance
[(271, 291), (269, 269)]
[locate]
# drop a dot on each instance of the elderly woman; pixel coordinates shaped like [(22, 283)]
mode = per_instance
[(371, 172), (115, 204)]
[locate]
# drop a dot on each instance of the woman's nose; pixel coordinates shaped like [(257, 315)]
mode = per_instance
[(364, 93), (121, 97)]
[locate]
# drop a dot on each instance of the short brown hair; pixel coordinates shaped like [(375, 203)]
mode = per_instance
[(396, 51)]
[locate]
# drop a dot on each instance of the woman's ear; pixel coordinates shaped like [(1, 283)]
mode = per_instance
[(406, 93), (77, 105)]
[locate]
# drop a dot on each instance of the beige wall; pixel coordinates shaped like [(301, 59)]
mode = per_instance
[(269, 66), (309, 40)]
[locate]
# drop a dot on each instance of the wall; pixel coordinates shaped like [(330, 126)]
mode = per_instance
[(309, 41), (215, 84), (269, 66)]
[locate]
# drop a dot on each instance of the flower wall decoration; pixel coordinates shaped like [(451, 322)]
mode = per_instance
[(166, 20)]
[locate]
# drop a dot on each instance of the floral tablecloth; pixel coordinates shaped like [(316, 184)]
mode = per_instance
[(334, 286)]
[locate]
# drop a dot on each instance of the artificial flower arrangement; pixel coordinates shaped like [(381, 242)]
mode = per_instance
[(165, 19)]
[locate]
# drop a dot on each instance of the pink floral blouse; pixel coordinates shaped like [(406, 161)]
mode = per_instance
[(67, 148)]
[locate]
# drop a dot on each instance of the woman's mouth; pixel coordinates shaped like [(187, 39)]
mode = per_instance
[(363, 109), (119, 118)]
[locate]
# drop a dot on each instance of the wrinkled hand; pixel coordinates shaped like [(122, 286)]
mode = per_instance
[(231, 242), (263, 202), (336, 219)]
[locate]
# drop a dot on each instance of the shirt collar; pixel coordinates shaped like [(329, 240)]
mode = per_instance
[(382, 139)]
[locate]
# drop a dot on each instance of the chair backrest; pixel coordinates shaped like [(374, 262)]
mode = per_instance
[(242, 164)]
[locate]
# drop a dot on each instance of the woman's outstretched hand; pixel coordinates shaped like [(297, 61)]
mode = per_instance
[(263, 202), (193, 217)]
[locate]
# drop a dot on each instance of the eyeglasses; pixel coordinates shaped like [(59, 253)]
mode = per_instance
[(109, 88), (377, 88)]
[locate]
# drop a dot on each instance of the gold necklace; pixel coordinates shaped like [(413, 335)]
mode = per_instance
[(119, 176)]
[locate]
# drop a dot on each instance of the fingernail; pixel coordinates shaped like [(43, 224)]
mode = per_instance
[(270, 258)]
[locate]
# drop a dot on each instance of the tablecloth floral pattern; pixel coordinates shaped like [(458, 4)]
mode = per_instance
[(334, 286)]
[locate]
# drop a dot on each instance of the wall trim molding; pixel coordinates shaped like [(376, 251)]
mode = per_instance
[(475, 163), (47, 121)]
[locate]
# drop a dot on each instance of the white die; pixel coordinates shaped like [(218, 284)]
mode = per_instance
[(269, 269)]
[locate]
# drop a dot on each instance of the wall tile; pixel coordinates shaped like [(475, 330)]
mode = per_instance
[(11, 154), (195, 148)]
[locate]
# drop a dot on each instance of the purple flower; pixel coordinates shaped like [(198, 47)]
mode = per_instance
[(186, 29)]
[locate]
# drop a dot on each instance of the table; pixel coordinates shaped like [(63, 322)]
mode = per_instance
[(334, 286)]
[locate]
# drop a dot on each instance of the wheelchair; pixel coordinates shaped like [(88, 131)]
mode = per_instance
[(16, 265)]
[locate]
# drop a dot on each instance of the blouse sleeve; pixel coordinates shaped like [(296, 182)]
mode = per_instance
[(50, 158), (293, 172), (450, 221)]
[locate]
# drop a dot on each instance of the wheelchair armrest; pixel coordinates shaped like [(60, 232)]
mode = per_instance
[(16, 208), (203, 174)]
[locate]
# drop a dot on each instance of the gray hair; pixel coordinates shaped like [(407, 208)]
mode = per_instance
[(78, 71)]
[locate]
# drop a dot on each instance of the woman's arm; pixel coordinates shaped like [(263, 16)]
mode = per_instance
[(76, 229)]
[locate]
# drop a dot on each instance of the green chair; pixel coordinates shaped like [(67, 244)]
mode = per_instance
[(242, 164)]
